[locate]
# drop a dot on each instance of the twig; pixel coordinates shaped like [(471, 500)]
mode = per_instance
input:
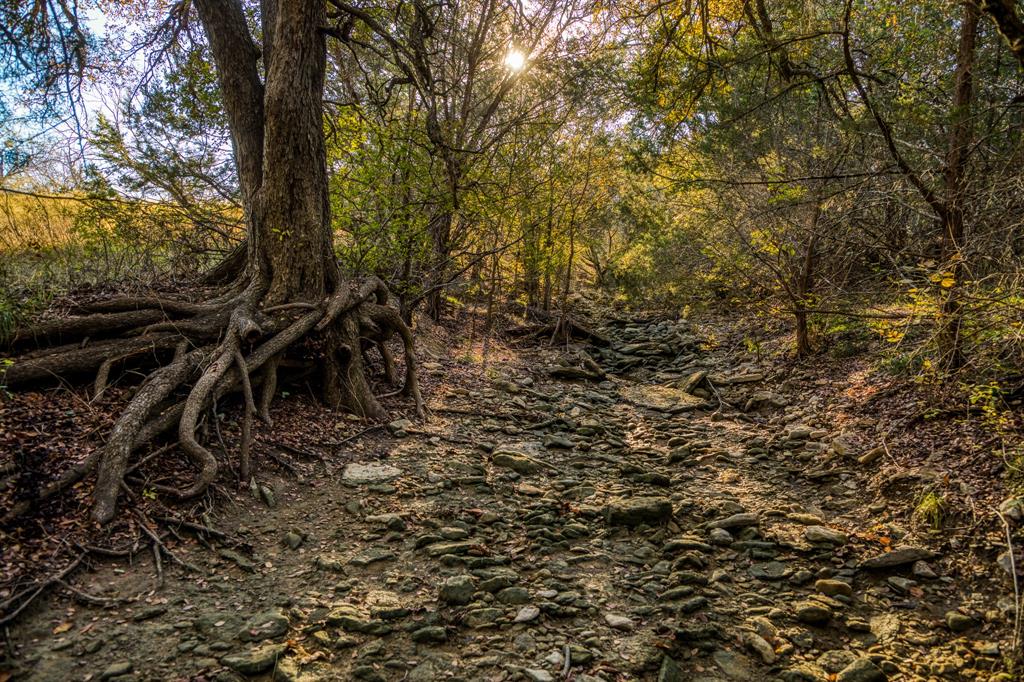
[(1016, 585), (38, 589), (89, 598)]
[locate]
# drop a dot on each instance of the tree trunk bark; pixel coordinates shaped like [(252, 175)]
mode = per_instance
[(960, 137)]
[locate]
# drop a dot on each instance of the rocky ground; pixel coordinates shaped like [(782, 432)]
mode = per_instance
[(671, 520)]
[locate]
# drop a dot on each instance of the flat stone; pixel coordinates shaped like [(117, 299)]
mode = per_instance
[(670, 671), (897, 557), (741, 520), (513, 595), (736, 666), (824, 534), (266, 625), (255, 661), (372, 555), (537, 675), (834, 588), (770, 570), (480, 618), (116, 670), (618, 622), (361, 473), (638, 510), (812, 612), (526, 614), (861, 670), (429, 635), (457, 590)]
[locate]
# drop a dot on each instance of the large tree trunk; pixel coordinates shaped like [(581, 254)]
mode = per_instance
[(290, 243), (286, 292)]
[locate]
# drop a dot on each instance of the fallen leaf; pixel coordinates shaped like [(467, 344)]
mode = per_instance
[(63, 627)]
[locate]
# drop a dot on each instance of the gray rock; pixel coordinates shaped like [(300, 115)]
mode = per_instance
[(360, 473), (266, 625), (638, 510), (429, 635), (824, 534), (861, 670), (618, 622), (812, 612), (480, 618), (897, 557), (372, 555), (537, 675), (526, 614), (255, 661), (922, 569), (741, 520), (116, 670), (736, 666), (457, 590), (513, 595), (670, 671), (720, 537), (400, 427), (759, 646), (958, 622)]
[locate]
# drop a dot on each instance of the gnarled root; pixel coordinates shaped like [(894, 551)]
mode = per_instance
[(203, 351)]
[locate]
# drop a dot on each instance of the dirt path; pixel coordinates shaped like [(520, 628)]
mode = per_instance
[(540, 530)]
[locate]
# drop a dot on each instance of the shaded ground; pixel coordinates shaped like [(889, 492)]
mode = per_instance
[(539, 529)]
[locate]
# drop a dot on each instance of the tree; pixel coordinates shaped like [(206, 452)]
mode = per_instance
[(285, 290)]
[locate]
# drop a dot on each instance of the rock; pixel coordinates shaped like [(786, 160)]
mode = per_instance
[(800, 432), (741, 520), (861, 670), (429, 635), (536, 675), (266, 625), (1013, 508), (508, 457), (618, 622), (116, 670), (958, 622), (400, 427), (638, 510), (360, 473), (824, 534), (670, 671), (458, 590), (812, 612), (736, 666), (481, 618), (759, 646), (292, 540), (526, 614), (372, 555), (922, 569), (255, 661), (553, 442), (771, 570), (1009, 564), (834, 588), (897, 557), (513, 595), (720, 537), (871, 455)]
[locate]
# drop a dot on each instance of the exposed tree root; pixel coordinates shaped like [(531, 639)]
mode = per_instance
[(202, 352)]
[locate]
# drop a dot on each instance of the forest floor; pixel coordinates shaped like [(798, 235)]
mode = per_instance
[(757, 523)]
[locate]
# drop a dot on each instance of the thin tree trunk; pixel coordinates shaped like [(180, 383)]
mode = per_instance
[(960, 137)]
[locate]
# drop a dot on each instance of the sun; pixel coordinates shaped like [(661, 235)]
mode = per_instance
[(515, 59)]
